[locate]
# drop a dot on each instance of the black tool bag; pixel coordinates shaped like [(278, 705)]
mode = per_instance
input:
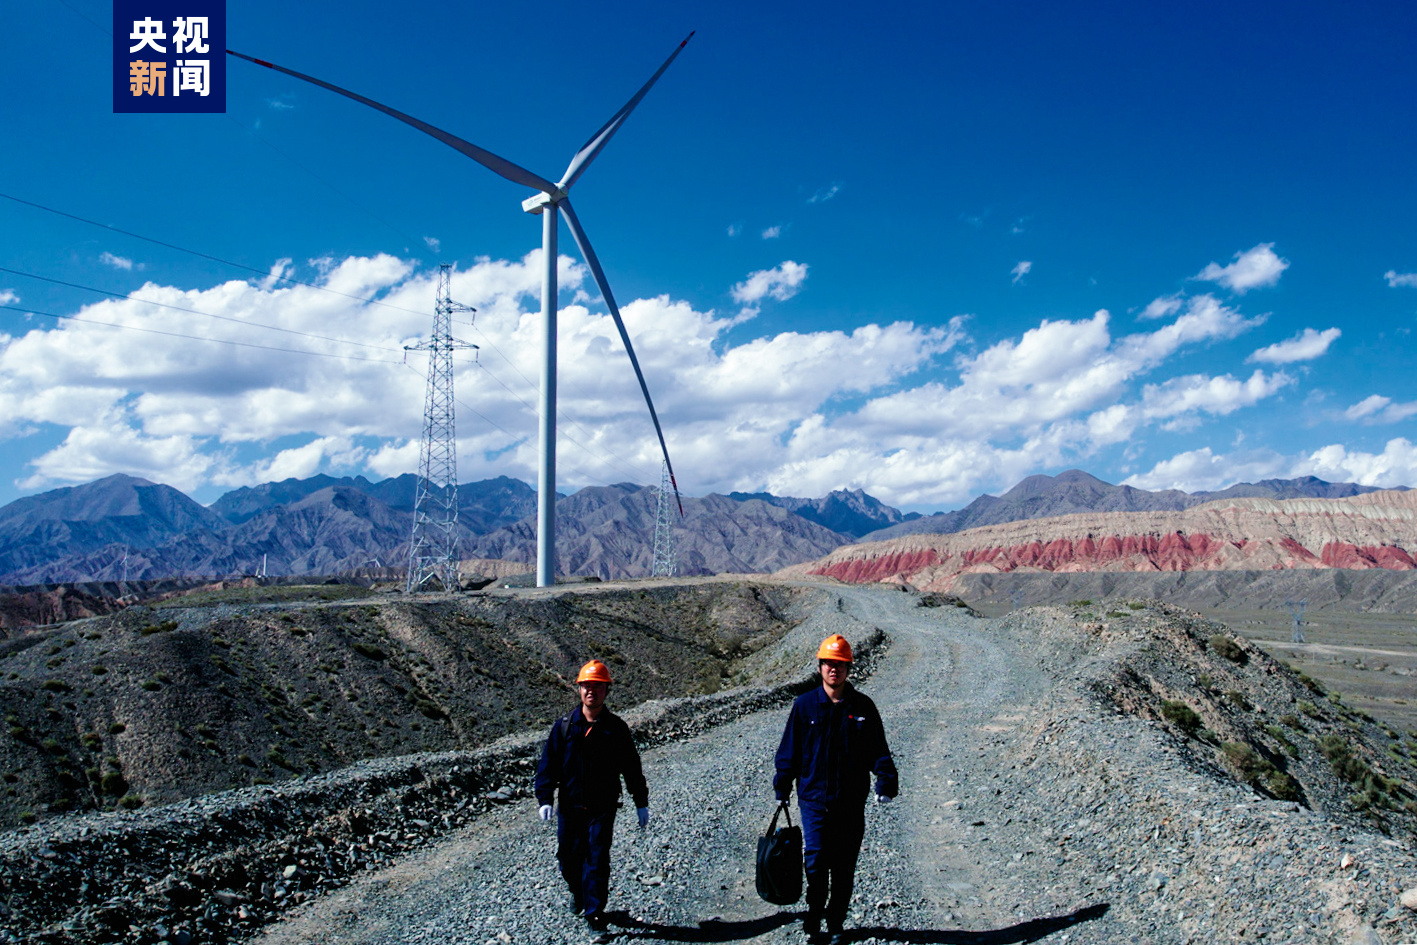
[(780, 861)]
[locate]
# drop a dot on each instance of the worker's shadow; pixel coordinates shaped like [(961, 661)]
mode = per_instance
[(629, 928)]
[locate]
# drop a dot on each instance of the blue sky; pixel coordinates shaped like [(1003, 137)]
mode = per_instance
[(924, 250)]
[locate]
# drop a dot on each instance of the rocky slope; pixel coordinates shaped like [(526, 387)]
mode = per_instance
[(1373, 530), (1145, 777), (236, 687)]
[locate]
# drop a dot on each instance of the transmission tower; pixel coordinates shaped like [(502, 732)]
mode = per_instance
[(433, 552), (1296, 610), (665, 562)]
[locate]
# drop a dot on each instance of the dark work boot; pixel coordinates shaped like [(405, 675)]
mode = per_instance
[(812, 925)]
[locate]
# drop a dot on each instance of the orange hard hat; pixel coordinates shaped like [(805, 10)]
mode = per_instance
[(594, 671), (836, 648)]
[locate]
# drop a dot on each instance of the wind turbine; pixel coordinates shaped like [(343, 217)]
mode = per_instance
[(551, 201)]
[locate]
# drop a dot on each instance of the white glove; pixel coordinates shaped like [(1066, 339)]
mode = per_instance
[(643, 814), (544, 812), (882, 799)]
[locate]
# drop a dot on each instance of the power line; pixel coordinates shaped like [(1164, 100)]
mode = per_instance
[(219, 341), (200, 255), (177, 308)]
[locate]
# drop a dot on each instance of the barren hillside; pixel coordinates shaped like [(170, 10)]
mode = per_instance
[(1374, 530)]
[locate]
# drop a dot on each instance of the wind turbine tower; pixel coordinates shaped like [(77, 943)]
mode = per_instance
[(551, 201), (433, 552)]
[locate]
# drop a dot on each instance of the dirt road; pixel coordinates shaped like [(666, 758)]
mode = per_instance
[(1026, 813)]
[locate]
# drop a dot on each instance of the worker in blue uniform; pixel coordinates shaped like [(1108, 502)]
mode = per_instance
[(587, 753), (834, 741)]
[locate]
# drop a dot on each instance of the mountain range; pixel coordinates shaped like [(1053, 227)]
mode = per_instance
[(123, 526)]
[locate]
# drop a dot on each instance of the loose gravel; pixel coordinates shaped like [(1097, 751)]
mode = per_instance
[(1032, 808)]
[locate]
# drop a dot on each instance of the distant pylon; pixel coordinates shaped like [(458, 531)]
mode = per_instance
[(665, 561), (433, 552), (1296, 610)]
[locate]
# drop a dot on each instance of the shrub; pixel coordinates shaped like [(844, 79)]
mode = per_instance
[(150, 685), (1313, 684), (1227, 647), (130, 801), (1117, 613), (52, 746), (117, 728), (26, 817), (1277, 733), (1293, 722), (275, 757), (99, 670), (370, 651), (1238, 699), (1309, 709), (167, 626), (1282, 786), (245, 759), (1180, 715), (18, 731), (55, 685), (1135, 606), (114, 783), (1205, 681), (92, 741)]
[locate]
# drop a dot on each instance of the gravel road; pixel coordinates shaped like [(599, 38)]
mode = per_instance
[(1028, 811)]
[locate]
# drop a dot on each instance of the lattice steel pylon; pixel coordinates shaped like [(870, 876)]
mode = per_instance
[(666, 563), (1296, 610), (433, 552)]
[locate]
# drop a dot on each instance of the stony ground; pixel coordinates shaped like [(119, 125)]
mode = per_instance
[(1041, 800)]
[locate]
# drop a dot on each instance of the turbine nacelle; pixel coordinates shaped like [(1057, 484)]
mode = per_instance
[(538, 202)]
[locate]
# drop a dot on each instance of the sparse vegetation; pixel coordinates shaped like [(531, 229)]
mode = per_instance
[(167, 626), (369, 650), (1229, 648), (55, 685), (1181, 715)]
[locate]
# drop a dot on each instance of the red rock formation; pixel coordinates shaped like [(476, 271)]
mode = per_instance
[(1375, 530)]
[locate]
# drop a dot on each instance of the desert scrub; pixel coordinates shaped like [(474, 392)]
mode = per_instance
[(1309, 709), (55, 685), (370, 651), (1313, 684), (150, 685), (1229, 648), (130, 801), (1257, 770), (1277, 733), (99, 669), (1373, 789), (1237, 698), (114, 783), (1293, 722), (167, 626), (1181, 715)]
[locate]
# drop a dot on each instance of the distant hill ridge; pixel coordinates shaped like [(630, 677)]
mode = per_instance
[(325, 524), (1374, 529)]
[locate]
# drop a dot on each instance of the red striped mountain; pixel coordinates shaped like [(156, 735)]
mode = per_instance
[(1373, 530)]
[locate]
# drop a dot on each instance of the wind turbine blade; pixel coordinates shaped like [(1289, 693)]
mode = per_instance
[(579, 235), (487, 159), (602, 137)]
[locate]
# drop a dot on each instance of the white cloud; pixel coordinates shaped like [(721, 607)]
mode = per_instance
[(1395, 279), (1305, 346), (909, 411), (8, 297), (433, 242), (1163, 307), (772, 232), (1379, 409), (1252, 269), (117, 262), (825, 193), (781, 282), (1202, 469), (734, 229), (1021, 270), (1217, 396)]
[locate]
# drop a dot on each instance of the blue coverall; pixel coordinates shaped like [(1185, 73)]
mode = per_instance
[(586, 761), (831, 749)]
